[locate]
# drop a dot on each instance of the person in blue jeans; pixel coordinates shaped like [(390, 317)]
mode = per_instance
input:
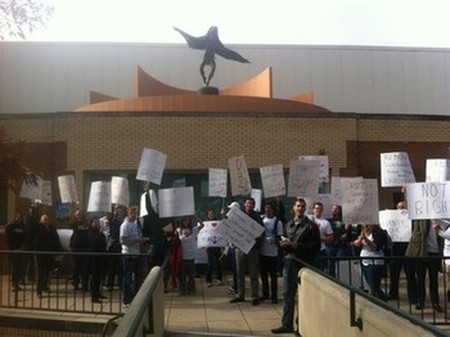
[(301, 242)]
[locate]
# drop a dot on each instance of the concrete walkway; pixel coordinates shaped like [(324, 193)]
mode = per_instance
[(209, 311)]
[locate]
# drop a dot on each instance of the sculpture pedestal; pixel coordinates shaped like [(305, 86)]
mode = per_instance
[(208, 90)]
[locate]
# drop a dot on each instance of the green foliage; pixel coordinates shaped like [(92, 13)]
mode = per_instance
[(20, 17)]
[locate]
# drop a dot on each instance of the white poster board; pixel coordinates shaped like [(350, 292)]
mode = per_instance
[(67, 189), (324, 166), (217, 182), (31, 191), (257, 194), (151, 166), (397, 223), (177, 201), (396, 169), (100, 197), (120, 193), (303, 178), (437, 170), (273, 180), (428, 200), (239, 177), (211, 236), (240, 229), (46, 193), (360, 201)]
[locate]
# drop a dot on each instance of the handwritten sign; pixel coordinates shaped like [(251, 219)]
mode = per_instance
[(360, 201), (31, 191), (428, 200), (100, 197), (239, 177), (177, 201), (210, 236), (151, 166), (303, 178), (324, 166), (438, 170), (143, 205), (273, 180), (397, 223), (396, 169), (120, 193), (217, 182), (46, 193), (67, 189), (240, 229), (257, 195)]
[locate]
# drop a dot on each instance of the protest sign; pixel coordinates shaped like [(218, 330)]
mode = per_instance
[(360, 201), (239, 177), (240, 229), (397, 223), (396, 169), (143, 204), (303, 178), (177, 201), (324, 166), (273, 180), (217, 182), (211, 236), (100, 197), (438, 170), (428, 200), (257, 195), (46, 193), (324, 199), (151, 166), (67, 189), (120, 193), (31, 191)]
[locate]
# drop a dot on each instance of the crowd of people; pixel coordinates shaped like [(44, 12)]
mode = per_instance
[(136, 244)]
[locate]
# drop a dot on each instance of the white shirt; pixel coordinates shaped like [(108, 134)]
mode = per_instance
[(367, 252), (268, 246), (324, 228)]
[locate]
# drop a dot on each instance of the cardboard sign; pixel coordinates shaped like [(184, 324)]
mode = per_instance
[(46, 193), (303, 178), (120, 193), (239, 177), (396, 169), (31, 191), (153, 202), (67, 189), (174, 202), (428, 200), (151, 166), (100, 197), (210, 235), (217, 182), (397, 223), (324, 166), (438, 170), (257, 195), (360, 201), (273, 180), (240, 229)]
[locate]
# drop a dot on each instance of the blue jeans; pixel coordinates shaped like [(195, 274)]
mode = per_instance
[(373, 274), (290, 275)]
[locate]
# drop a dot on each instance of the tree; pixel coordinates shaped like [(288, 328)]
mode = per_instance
[(20, 17), (12, 170)]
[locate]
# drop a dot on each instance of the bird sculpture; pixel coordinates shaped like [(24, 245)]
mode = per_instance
[(211, 44)]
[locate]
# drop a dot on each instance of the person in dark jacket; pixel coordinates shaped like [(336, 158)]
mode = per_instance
[(97, 244), (300, 241), (45, 240), (15, 240), (79, 244)]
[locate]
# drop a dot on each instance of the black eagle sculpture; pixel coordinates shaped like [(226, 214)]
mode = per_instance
[(211, 44)]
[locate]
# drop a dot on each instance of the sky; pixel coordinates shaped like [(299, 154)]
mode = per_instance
[(399, 23)]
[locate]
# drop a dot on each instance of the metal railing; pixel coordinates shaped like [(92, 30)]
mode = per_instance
[(22, 287)]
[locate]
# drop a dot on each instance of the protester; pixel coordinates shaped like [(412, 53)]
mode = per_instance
[(15, 241), (442, 228), (326, 234), (97, 244), (79, 244), (268, 253), (113, 246), (249, 261), (214, 254), (188, 246), (372, 240), (300, 241)]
